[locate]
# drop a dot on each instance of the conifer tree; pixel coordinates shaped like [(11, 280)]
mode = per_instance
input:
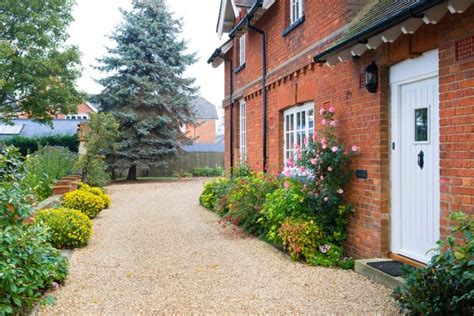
[(146, 89)]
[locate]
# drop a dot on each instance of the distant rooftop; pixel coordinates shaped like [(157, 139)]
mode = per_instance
[(204, 148), (29, 128), (204, 109)]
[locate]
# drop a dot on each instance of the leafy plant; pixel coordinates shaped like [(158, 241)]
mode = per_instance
[(242, 170), (446, 285), (300, 237), (86, 202), (66, 228), (208, 172), (213, 192), (46, 166), (100, 138), (28, 267), (288, 201), (330, 255)]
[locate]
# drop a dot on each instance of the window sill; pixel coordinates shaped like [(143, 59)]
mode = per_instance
[(239, 69), (293, 26)]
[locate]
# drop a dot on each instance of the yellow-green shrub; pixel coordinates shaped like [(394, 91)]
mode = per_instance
[(66, 228), (86, 202), (97, 191)]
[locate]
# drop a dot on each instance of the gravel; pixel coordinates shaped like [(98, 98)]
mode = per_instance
[(157, 251)]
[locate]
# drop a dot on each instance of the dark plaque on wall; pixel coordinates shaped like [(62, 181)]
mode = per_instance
[(362, 174)]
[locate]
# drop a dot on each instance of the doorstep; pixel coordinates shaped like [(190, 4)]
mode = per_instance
[(362, 267)]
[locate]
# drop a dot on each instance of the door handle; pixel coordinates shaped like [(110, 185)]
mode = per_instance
[(421, 159)]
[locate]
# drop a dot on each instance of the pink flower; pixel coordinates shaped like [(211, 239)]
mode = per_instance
[(355, 148), (326, 199), (340, 191), (333, 123), (302, 169), (334, 149), (329, 169), (306, 140), (297, 146), (323, 140), (332, 109), (324, 122), (321, 112), (287, 172), (286, 185), (325, 146), (315, 136), (322, 178), (314, 161), (300, 155), (290, 162)]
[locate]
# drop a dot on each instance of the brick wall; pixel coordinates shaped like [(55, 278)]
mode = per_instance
[(364, 118), (204, 132)]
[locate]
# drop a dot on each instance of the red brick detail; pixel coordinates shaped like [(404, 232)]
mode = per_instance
[(465, 48)]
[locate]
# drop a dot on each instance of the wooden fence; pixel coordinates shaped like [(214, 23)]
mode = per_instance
[(185, 163)]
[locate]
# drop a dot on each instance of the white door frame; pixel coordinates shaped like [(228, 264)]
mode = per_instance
[(424, 67)]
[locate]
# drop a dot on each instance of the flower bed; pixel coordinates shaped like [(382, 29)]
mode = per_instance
[(303, 211)]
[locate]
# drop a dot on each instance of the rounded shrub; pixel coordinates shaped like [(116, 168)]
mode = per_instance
[(97, 191), (66, 228), (86, 202)]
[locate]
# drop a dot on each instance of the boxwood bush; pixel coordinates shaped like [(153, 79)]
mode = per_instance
[(66, 228), (29, 145), (86, 202)]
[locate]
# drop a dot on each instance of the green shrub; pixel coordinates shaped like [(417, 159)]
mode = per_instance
[(288, 201), (29, 145), (28, 267), (66, 228), (300, 237), (330, 255), (45, 167), (246, 199), (446, 285), (95, 171), (208, 172), (86, 202), (214, 191), (97, 191), (242, 170)]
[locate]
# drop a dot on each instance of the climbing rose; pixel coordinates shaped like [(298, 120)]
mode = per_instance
[(325, 146), (323, 140), (306, 141), (324, 122), (329, 169), (340, 191), (334, 149), (355, 148), (314, 161), (332, 109), (326, 199), (321, 112), (333, 123)]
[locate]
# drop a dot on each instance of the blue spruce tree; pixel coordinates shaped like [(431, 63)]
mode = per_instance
[(146, 89)]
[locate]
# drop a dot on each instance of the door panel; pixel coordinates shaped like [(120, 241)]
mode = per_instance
[(418, 169)]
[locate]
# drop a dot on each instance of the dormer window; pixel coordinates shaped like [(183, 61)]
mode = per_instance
[(242, 50), (296, 10)]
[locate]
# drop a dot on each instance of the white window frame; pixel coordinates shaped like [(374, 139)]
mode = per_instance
[(242, 56), (296, 10), (243, 130), (298, 124)]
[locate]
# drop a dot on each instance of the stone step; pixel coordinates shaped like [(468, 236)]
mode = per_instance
[(376, 275)]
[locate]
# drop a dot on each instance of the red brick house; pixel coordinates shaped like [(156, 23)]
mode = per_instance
[(401, 77), (204, 130)]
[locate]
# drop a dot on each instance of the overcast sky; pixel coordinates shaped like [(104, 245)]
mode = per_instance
[(94, 20)]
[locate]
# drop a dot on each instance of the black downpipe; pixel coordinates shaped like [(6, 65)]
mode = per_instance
[(264, 90), (231, 108)]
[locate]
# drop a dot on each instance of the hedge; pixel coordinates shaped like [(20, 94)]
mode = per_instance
[(28, 145)]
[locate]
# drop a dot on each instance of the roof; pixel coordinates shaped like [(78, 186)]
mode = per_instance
[(29, 128), (204, 109), (204, 148), (376, 17)]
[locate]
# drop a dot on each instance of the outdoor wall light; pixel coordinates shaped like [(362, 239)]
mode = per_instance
[(371, 77)]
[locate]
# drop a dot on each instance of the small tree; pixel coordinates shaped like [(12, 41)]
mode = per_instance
[(146, 90), (37, 71), (100, 139)]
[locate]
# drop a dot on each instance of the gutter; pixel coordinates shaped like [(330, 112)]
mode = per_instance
[(414, 11)]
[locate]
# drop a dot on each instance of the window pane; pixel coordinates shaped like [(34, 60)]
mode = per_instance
[(311, 119), (421, 125), (303, 120), (292, 122)]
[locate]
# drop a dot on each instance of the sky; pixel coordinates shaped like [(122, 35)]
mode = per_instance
[(95, 20)]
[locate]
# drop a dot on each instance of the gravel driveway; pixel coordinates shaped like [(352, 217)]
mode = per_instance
[(157, 251)]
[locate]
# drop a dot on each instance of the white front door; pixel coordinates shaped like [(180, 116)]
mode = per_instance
[(415, 156)]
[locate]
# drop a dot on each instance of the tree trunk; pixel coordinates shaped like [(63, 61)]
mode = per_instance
[(132, 173)]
